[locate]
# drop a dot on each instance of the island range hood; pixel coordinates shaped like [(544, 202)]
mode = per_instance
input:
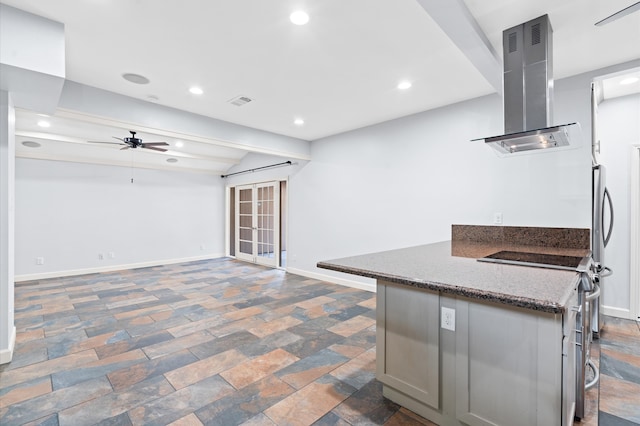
[(528, 91)]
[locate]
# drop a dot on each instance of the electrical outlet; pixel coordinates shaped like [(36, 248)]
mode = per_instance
[(112, 255), (100, 256), (497, 218), (201, 246), (39, 260), (448, 319)]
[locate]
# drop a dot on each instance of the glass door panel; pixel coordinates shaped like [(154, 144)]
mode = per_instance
[(257, 222), (245, 230), (266, 228)]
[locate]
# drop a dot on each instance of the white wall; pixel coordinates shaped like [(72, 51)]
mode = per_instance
[(406, 181), (7, 218), (32, 60), (68, 213), (618, 131)]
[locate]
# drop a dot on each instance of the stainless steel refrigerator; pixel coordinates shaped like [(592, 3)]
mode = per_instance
[(602, 225), (601, 218)]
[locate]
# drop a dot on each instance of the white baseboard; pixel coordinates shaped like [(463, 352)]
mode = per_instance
[(6, 355), (612, 311), (111, 268), (335, 280)]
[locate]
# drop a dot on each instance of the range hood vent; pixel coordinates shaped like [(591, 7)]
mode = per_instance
[(528, 91)]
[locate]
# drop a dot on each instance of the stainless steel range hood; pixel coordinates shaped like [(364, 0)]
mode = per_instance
[(528, 91)]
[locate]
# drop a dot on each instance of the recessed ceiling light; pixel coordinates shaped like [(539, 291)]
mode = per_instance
[(299, 17), (179, 144), (135, 78), (404, 85), (196, 90), (44, 123), (153, 98), (31, 144), (298, 122), (630, 80), (172, 160)]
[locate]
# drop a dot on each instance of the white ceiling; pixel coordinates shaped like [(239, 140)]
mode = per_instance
[(339, 72)]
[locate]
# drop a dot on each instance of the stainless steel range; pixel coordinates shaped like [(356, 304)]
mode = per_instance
[(588, 294)]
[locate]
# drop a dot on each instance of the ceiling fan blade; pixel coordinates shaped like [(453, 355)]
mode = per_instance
[(619, 14), (120, 139), (126, 147), (154, 148), (109, 143), (155, 144)]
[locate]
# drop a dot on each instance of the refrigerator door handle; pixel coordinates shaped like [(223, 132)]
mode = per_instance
[(608, 198)]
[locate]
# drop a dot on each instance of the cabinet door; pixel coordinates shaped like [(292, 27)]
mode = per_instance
[(508, 366), (408, 341), (569, 360)]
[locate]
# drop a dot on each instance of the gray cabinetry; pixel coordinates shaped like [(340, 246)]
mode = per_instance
[(569, 359), (408, 357), (508, 366), (501, 365)]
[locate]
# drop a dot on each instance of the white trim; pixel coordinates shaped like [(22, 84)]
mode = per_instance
[(107, 162), (335, 280), (227, 220), (111, 268), (95, 119), (614, 311), (6, 355), (634, 243)]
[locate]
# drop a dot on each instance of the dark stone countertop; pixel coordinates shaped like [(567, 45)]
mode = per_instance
[(435, 267)]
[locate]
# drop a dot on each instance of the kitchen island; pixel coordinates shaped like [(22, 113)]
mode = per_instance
[(462, 342)]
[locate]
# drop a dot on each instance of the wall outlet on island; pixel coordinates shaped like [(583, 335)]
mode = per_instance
[(497, 218), (448, 319)]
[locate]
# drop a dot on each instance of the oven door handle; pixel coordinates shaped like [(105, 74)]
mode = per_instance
[(605, 272), (596, 376), (593, 294)]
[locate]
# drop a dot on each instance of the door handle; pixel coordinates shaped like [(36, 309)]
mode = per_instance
[(607, 197)]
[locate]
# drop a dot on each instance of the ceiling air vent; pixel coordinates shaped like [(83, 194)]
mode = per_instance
[(240, 100)]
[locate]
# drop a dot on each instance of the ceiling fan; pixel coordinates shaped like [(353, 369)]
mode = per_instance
[(134, 142)]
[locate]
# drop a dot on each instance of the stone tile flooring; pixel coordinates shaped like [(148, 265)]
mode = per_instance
[(223, 342), (619, 373)]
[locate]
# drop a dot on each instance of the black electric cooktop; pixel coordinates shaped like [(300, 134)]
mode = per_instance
[(539, 260)]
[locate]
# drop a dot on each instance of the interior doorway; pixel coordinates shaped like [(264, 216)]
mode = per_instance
[(616, 145), (635, 233), (257, 222)]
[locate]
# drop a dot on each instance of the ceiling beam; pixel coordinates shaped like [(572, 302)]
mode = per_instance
[(455, 19), (169, 152)]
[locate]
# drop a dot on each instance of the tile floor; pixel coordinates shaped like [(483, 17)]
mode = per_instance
[(619, 346), (223, 342)]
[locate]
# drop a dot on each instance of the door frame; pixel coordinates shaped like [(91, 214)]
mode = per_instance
[(634, 272), (229, 209)]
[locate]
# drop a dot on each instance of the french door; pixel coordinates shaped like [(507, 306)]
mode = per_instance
[(257, 223)]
